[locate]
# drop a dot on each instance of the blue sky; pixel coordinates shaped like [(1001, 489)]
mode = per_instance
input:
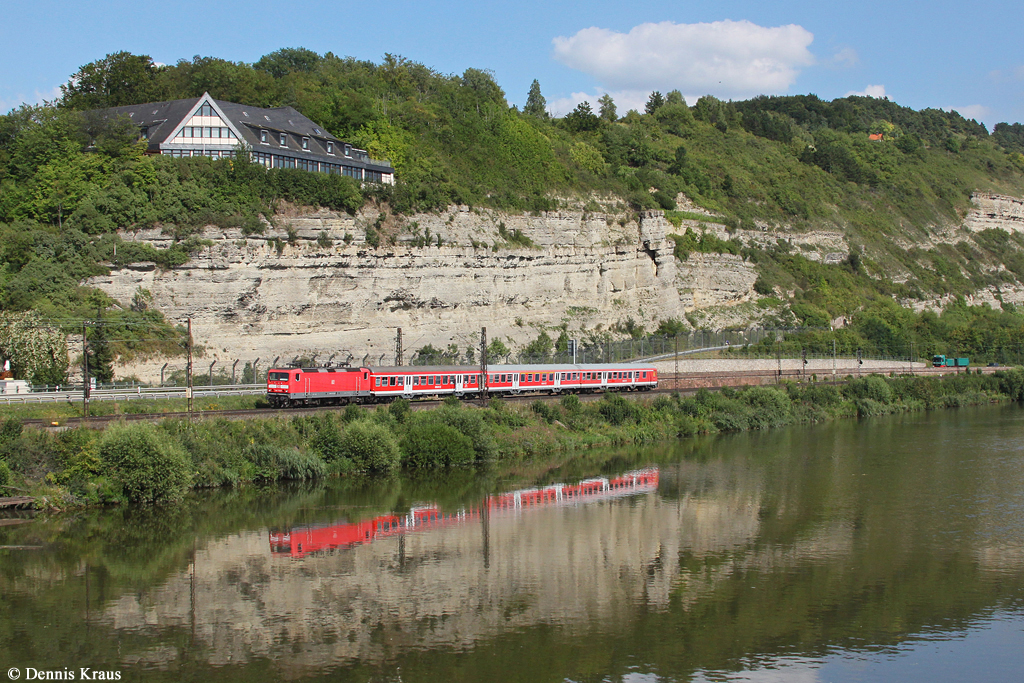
[(920, 54)]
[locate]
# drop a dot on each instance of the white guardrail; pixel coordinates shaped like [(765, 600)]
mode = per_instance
[(132, 393)]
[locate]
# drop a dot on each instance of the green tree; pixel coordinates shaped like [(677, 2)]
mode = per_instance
[(100, 353), (288, 60), (582, 118), (675, 97), (37, 350), (497, 351), (118, 79), (536, 105), (654, 102), (607, 108)]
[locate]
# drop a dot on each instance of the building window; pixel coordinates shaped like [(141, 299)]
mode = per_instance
[(284, 139), (348, 150), (305, 143), (264, 137), (330, 147), (145, 133)]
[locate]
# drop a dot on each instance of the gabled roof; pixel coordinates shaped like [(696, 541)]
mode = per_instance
[(162, 120)]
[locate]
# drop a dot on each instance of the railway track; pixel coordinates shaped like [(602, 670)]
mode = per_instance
[(684, 383)]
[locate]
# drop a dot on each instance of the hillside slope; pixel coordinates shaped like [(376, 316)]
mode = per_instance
[(830, 207)]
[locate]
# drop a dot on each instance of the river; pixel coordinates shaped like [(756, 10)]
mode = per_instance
[(889, 549)]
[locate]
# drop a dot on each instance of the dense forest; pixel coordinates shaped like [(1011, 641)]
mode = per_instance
[(884, 174)]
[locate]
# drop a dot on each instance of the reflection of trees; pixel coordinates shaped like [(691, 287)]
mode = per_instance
[(777, 543)]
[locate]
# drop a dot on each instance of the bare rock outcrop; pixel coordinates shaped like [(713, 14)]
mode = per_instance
[(315, 286), (995, 211)]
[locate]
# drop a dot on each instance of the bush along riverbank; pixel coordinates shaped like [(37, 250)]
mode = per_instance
[(160, 462)]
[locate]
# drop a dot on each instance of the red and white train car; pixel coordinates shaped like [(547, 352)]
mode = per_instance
[(316, 386)]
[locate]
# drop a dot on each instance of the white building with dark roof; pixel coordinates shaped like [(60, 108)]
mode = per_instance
[(276, 138)]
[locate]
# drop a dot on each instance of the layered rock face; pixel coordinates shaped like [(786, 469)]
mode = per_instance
[(995, 211), (315, 286)]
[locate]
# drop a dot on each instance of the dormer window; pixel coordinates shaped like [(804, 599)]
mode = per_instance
[(145, 133), (330, 147), (264, 137), (348, 150), (284, 139), (305, 143)]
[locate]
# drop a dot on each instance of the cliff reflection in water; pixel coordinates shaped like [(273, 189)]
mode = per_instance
[(733, 551), (560, 554)]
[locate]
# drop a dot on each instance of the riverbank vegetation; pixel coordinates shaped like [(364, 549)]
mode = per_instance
[(153, 463)]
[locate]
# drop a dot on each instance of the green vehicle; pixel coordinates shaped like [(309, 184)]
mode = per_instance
[(944, 362)]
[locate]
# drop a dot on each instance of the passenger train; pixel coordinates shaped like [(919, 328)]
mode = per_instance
[(288, 387)]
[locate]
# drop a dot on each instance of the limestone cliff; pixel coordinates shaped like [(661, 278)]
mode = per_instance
[(313, 285)]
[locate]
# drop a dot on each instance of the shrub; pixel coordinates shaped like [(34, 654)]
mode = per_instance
[(326, 441), (873, 387), (469, 423), (435, 445), (5, 473), (78, 456), (370, 446), (735, 420), (771, 407), (10, 430), (145, 465), (824, 396), (571, 403), (867, 407), (352, 413), (617, 410), (400, 409), (272, 463), (546, 412)]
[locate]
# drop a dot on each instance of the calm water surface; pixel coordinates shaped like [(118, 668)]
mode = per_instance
[(890, 549)]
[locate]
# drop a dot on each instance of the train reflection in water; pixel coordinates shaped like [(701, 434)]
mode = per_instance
[(305, 540)]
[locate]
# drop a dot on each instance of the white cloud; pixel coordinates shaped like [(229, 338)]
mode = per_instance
[(977, 112), (876, 91), (1010, 75), (7, 104), (624, 101), (724, 58), (845, 58), (563, 105)]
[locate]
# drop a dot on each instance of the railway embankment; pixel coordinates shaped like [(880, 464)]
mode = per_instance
[(144, 463)]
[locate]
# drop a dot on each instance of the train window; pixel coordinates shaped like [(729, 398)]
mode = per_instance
[(645, 374), (296, 377), (366, 375), (391, 381), (415, 380)]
